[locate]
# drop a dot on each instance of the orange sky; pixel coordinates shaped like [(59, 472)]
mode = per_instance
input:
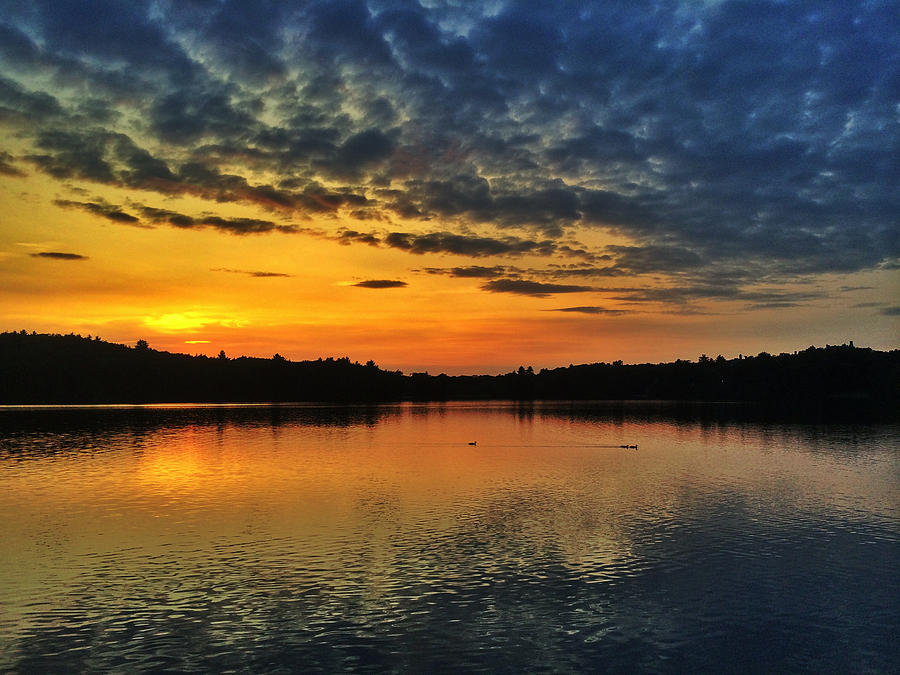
[(320, 199), (191, 291)]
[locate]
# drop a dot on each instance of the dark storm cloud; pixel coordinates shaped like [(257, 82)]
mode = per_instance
[(115, 159), (140, 169), (359, 152), (548, 208), (110, 31), (380, 283), (73, 155), (18, 104), (759, 134), (57, 255), (533, 288), (242, 37), (16, 48), (190, 114)]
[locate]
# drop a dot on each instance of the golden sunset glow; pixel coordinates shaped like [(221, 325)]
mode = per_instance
[(294, 198)]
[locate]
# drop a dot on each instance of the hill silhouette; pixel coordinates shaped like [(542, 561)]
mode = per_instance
[(43, 368)]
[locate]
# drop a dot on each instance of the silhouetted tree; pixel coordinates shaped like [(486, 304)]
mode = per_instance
[(72, 369)]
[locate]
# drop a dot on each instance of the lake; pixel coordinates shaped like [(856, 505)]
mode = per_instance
[(377, 539)]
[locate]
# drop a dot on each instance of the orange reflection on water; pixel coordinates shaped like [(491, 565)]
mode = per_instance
[(395, 471), (354, 515)]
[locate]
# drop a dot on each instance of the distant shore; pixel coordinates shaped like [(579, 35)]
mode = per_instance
[(59, 369)]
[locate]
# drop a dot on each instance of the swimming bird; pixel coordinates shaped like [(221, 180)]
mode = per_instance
[(473, 442)]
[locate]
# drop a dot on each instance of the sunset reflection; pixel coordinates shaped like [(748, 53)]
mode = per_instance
[(291, 521)]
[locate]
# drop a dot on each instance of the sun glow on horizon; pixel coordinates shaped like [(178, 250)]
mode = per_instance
[(190, 320)]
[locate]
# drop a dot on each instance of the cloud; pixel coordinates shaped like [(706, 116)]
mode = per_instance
[(510, 271), (99, 208), (471, 271), (533, 288), (467, 245), (241, 226), (754, 297), (196, 112), (7, 169), (6, 166), (238, 226), (609, 271), (241, 38), (381, 283), (352, 236), (258, 275), (23, 106), (547, 207), (73, 155), (591, 310), (654, 258), (57, 255), (360, 151), (699, 134)]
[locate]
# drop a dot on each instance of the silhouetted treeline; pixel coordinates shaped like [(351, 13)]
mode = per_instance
[(840, 375), (36, 368), (73, 369)]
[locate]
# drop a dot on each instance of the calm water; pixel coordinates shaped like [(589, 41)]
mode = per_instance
[(332, 539)]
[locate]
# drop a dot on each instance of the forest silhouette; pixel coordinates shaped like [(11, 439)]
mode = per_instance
[(59, 369)]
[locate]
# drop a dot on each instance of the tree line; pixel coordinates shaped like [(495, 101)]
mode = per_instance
[(43, 368)]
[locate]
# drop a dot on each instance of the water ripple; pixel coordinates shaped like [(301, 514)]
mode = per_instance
[(365, 542)]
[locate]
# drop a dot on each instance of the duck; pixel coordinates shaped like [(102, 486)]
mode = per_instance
[(473, 442)]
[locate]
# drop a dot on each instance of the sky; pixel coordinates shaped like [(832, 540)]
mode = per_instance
[(452, 186)]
